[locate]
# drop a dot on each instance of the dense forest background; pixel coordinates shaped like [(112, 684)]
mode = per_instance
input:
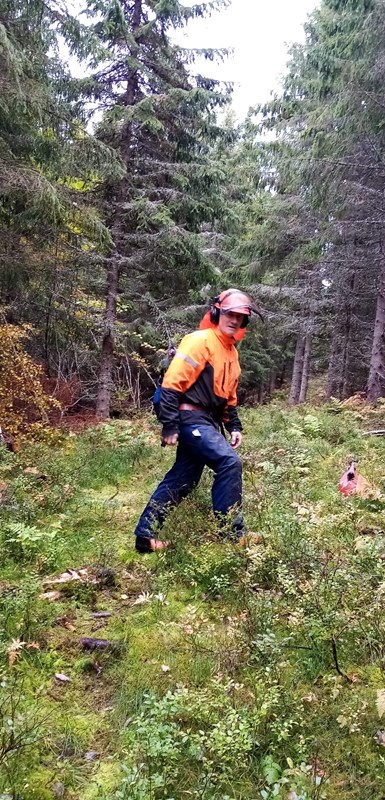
[(115, 234), (128, 198)]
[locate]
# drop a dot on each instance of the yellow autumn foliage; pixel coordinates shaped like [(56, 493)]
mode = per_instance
[(23, 401)]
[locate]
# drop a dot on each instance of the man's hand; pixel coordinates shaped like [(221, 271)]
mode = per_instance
[(236, 439), (170, 440)]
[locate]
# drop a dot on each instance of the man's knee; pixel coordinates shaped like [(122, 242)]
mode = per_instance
[(232, 463)]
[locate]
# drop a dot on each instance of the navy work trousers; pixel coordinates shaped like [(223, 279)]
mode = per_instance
[(199, 445)]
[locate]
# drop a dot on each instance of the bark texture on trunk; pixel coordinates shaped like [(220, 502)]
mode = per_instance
[(343, 352), (376, 380), (272, 381), (305, 369), (103, 400), (295, 387), (346, 390), (333, 388), (129, 98)]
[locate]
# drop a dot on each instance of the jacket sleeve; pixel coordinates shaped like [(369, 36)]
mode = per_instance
[(231, 420), (185, 368)]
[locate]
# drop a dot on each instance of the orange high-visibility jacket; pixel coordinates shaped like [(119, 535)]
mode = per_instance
[(205, 372)]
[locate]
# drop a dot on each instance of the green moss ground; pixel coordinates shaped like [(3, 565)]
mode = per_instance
[(232, 673)]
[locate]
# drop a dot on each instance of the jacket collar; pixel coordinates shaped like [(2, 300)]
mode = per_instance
[(227, 341)]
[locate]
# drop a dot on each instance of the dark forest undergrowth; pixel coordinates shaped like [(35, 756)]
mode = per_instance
[(224, 673)]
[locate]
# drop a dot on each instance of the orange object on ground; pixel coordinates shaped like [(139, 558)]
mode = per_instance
[(352, 482)]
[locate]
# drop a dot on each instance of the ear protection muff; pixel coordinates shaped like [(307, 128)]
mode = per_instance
[(215, 311)]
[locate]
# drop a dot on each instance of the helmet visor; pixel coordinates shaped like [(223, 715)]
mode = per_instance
[(238, 309), (237, 301)]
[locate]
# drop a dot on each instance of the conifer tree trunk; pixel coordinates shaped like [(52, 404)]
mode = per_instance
[(376, 379), (340, 363), (333, 387), (305, 369), (47, 326), (345, 377), (107, 356), (295, 387), (103, 401), (282, 374)]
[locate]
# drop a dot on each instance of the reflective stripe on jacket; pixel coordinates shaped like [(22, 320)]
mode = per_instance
[(204, 372)]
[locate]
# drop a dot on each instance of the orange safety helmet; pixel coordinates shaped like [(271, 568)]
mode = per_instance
[(230, 300)]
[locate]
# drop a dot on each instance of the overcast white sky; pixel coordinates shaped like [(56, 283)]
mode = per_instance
[(260, 31)]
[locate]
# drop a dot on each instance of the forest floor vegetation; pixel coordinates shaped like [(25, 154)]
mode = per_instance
[(209, 670)]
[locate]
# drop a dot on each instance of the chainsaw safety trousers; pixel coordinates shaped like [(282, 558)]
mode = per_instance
[(200, 444)]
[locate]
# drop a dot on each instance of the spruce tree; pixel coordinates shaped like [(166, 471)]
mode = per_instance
[(48, 164), (329, 116), (276, 253), (161, 121)]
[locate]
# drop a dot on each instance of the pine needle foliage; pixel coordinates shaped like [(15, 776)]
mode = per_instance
[(161, 121), (328, 136)]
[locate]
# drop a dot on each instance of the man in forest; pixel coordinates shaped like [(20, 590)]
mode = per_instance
[(198, 398)]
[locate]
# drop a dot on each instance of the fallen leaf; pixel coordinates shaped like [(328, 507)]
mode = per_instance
[(187, 629), (165, 668), (62, 678), (310, 698), (380, 702), (65, 622), (142, 598), (14, 650), (253, 538), (51, 596), (160, 597), (71, 575), (302, 511), (35, 471), (124, 596), (360, 542)]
